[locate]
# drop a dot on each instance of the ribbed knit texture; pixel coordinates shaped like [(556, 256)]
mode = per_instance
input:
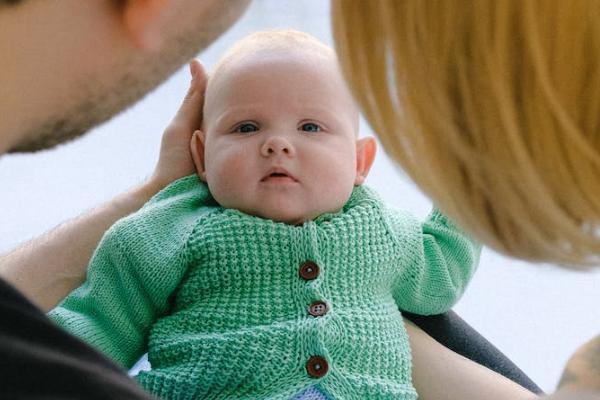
[(215, 296)]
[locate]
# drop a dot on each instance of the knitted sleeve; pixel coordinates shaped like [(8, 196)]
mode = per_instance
[(437, 261), (136, 267)]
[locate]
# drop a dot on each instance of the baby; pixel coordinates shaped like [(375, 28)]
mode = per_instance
[(272, 273)]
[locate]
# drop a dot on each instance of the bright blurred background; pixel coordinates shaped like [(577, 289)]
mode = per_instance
[(536, 314)]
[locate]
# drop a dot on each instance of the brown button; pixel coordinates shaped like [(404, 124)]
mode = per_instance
[(309, 270), (318, 308), (317, 366)]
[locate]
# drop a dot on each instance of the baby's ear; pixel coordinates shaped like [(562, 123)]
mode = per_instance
[(365, 155), (197, 150)]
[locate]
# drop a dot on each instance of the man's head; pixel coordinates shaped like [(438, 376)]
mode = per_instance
[(70, 65), (280, 130)]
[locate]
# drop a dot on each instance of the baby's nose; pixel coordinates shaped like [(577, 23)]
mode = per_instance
[(277, 145)]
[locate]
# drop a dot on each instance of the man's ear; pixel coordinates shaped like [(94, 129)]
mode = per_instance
[(365, 155), (143, 21), (197, 150)]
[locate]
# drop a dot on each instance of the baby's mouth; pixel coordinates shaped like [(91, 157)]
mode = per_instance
[(278, 175)]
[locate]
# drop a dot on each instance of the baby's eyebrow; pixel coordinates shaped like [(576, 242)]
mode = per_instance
[(233, 111)]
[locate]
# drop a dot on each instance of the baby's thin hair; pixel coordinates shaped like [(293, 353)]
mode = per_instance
[(273, 40)]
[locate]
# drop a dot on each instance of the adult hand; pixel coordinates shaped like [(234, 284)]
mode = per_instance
[(440, 373), (582, 371), (175, 160), (47, 268)]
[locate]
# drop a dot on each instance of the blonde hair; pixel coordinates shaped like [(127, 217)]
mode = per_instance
[(493, 108)]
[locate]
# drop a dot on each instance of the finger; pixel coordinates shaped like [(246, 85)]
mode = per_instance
[(195, 68), (189, 114)]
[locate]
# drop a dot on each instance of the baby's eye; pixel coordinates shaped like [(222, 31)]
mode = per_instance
[(310, 127), (246, 128)]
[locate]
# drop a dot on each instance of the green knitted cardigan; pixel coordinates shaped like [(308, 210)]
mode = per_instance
[(216, 299)]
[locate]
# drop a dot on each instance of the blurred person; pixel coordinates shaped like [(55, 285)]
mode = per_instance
[(492, 108), (136, 45)]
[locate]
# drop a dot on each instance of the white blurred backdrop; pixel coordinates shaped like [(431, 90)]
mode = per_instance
[(536, 314)]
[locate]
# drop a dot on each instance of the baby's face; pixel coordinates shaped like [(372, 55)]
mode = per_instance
[(280, 137)]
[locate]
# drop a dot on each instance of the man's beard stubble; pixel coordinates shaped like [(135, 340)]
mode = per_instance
[(100, 100)]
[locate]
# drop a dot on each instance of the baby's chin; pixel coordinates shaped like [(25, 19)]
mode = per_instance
[(287, 211), (290, 217), (287, 218)]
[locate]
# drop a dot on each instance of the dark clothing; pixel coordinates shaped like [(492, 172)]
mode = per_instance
[(38, 360)]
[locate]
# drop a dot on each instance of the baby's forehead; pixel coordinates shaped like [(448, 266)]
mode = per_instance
[(268, 49)]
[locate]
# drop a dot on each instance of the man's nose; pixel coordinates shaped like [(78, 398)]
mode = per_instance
[(277, 145)]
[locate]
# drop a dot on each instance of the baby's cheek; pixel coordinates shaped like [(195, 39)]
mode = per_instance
[(338, 180), (233, 173), (235, 163)]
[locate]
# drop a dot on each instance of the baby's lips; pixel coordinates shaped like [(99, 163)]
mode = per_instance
[(278, 172)]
